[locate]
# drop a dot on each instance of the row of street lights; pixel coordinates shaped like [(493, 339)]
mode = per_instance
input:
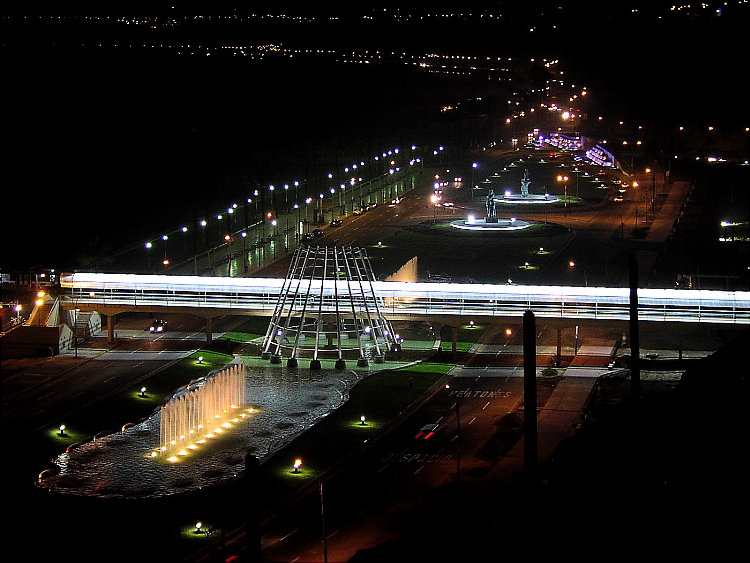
[(257, 197)]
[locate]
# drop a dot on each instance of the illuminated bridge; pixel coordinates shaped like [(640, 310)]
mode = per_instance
[(209, 297)]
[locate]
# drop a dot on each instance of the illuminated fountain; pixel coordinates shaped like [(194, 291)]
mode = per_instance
[(491, 222), (202, 411), (525, 197)]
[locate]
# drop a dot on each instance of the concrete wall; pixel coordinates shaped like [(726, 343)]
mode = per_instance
[(49, 332)]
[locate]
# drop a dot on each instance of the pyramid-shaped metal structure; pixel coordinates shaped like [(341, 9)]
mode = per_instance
[(327, 308)]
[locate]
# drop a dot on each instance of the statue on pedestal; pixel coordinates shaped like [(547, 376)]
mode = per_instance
[(525, 181), (490, 205)]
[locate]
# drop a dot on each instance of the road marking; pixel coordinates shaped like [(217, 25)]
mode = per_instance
[(486, 405), (282, 538), (472, 420), (478, 394), (421, 467)]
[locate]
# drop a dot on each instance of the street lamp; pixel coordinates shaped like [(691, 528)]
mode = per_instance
[(572, 265), (297, 464), (474, 166), (564, 179), (458, 437)]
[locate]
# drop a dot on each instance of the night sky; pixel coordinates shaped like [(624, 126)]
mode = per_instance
[(103, 140)]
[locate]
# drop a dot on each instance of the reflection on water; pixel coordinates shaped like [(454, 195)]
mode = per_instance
[(286, 402)]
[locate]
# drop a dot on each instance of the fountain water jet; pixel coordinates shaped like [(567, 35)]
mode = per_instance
[(202, 410)]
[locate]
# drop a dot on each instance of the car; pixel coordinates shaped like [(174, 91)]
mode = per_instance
[(357, 211), (159, 325), (317, 233), (307, 237), (336, 223), (619, 198), (426, 432)]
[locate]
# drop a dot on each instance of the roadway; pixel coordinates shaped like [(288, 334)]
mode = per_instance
[(42, 393), (389, 492)]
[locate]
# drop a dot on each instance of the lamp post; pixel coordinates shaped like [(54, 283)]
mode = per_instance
[(297, 465), (572, 265), (308, 201), (637, 201), (564, 179), (474, 166), (458, 436), (228, 239)]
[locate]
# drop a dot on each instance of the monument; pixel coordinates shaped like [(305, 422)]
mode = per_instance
[(525, 197), (328, 309), (490, 221), (491, 212)]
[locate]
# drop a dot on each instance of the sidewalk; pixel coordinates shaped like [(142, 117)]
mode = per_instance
[(557, 420), (668, 213)]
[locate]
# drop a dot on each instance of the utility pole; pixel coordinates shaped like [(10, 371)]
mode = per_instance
[(252, 525), (635, 343), (530, 440)]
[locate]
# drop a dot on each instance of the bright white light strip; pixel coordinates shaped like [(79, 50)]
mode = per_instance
[(420, 298)]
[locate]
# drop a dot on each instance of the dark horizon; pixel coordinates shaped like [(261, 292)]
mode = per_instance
[(94, 122)]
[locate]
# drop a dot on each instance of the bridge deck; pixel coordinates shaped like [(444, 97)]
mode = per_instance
[(403, 300)]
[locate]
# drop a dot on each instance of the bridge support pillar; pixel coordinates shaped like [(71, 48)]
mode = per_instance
[(635, 340), (454, 340), (559, 347), (111, 329), (209, 330)]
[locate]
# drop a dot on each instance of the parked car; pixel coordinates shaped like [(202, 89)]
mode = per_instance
[(317, 233), (336, 223)]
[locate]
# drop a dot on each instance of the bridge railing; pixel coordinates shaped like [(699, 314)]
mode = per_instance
[(414, 299)]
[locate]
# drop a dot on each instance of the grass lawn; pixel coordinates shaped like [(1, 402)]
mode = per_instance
[(379, 398), (129, 406)]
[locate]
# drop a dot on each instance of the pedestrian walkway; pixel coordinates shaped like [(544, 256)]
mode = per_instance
[(668, 213), (557, 420)]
